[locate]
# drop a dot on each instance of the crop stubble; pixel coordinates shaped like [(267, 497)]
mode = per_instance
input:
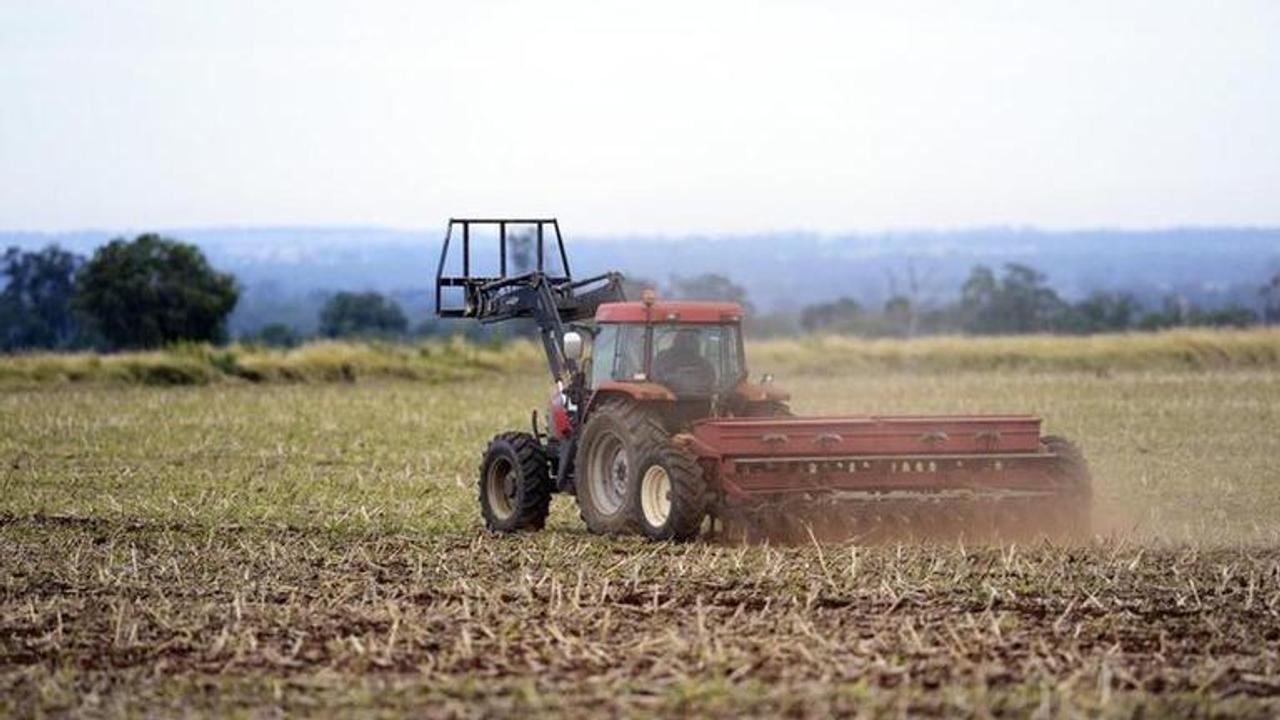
[(317, 548)]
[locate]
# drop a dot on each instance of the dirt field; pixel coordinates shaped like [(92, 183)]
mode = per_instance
[(316, 548)]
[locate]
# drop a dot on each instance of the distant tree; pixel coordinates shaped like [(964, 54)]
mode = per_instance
[(1233, 315), (277, 335), (911, 304), (710, 286), (1177, 311), (1021, 302), (771, 324), (947, 318), (632, 287), (846, 316), (900, 316), (1174, 311), (35, 302), (978, 301), (1105, 312), (841, 315), (521, 253), (1028, 304), (1271, 301), (430, 327), (349, 314), (154, 290)]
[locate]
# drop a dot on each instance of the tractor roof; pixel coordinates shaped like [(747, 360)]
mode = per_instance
[(669, 311)]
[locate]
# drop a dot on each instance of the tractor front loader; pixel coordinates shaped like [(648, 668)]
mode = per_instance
[(654, 424)]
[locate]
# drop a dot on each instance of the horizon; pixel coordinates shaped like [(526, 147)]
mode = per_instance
[(780, 270), (852, 232)]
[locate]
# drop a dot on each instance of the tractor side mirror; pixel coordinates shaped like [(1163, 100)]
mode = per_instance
[(572, 344)]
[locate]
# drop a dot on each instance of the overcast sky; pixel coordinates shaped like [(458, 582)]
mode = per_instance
[(648, 116)]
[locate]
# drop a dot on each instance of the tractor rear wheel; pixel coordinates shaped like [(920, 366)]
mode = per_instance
[(515, 486), (617, 436), (671, 494), (1072, 509)]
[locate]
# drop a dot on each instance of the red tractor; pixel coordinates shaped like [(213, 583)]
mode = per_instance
[(656, 425)]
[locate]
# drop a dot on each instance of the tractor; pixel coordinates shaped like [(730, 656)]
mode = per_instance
[(654, 424)]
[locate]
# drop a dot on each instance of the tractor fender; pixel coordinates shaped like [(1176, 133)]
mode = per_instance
[(635, 391)]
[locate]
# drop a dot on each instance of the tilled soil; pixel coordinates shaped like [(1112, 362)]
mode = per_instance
[(128, 617), (316, 549)]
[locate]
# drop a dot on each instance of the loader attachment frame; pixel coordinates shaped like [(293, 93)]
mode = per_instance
[(552, 300), (472, 283)]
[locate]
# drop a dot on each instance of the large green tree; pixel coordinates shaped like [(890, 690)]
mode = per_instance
[(154, 290), (1020, 302), (369, 313), (35, 300)]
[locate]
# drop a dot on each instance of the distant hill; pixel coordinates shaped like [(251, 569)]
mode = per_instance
[(287, 270)]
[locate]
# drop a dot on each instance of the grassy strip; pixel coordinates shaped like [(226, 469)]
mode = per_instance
[(195, 364), (1170, 350), (457, 360)]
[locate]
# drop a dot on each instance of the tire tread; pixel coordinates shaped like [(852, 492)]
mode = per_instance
[(533, 495)]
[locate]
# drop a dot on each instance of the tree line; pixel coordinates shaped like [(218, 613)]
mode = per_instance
[(149, 292), (138, 293), (152, 291), (1020, 300)]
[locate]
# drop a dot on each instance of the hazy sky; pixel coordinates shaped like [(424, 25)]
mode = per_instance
[(647, 116)]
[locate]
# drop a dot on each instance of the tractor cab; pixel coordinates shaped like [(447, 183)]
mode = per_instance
[(686, 355), (693, 349)]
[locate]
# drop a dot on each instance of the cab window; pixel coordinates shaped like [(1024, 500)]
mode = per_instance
[(603, 349), (629, 365), (617, 354), (696, 359)]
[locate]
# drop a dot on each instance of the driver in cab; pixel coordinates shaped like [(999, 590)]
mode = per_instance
[(681, 367)]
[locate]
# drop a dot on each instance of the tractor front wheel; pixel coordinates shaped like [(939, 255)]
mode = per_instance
[(515, 486)]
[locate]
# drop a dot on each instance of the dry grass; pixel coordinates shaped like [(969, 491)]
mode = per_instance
[(1169, 350), (255, 549), (456, 360), (321, 361)]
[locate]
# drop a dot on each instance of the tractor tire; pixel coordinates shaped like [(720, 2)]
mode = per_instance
[(617, 435), (515, 485), (671, 496), (1071, 510)]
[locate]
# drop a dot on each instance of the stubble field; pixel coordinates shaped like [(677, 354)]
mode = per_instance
[(265, 549)]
